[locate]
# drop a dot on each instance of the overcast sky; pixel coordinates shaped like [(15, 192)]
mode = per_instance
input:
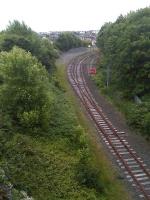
[(52, 15)]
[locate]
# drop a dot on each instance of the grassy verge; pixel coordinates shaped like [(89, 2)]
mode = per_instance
[(114, 189)]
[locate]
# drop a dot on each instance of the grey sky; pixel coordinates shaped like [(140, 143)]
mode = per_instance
[(51, 15)]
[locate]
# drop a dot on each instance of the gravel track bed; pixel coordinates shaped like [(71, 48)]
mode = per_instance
[(138, 142)]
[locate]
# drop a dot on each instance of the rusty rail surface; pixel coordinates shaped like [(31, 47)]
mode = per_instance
[(134, 168)]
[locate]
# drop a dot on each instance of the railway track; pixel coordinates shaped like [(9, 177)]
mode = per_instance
[(135, 170)]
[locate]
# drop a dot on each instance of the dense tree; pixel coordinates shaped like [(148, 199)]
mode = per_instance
[(18, 28), (24, 91), (19, 34), (67, 41), (125, 47), (125, 61)]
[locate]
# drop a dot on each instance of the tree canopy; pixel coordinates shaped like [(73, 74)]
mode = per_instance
[(125, 64), (67, 41), (125, 45), (19, 34)]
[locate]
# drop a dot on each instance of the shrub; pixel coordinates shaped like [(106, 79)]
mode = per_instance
[(139, 117), (87, 172), (25, 90)]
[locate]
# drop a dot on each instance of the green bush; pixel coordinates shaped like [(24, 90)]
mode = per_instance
[(87, 172), (138, 117), (24, 92), (146, 124), (68, 41)]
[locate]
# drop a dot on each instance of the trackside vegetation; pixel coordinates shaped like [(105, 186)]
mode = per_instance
[(19, 34), (69, 40), (124, 69), (44, 151)]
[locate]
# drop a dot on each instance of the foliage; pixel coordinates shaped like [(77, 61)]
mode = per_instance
[(67, 41), (45, 167), (125, 62), (139, 117), (87, 173), (41, 138), (19, 34), (24, 91), (44, 153), (125, 45)]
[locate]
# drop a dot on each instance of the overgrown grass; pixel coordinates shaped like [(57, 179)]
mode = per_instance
[(64, 161), (113, 187), (47, 167)]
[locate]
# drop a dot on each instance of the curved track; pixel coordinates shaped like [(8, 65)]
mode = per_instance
[(132, 165)]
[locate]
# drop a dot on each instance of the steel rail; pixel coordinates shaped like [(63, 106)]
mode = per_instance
[(74, 76), (111, 127), (115, 149)]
